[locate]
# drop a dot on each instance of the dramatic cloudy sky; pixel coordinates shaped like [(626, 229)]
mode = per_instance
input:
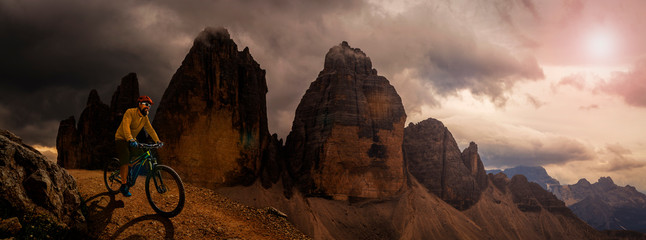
[(560, 84)]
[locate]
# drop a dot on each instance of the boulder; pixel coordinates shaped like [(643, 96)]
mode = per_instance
[(31, 184), (213, 115), (347, 132), (434, 159), (10, 226)]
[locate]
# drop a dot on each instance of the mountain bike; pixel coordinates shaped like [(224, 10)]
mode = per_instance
[(164, 188)]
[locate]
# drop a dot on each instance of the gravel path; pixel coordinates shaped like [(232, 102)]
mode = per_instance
[(206, 215)]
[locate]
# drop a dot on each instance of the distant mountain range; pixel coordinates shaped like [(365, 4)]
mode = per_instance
[(603, 205), (533, 174)]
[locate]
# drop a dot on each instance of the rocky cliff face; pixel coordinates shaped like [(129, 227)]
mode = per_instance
[(96, 137), (472, 161), (604, 205), (31, 184), (434, 159), (347, 132), (88, 144), (213, 115), (67, 144)]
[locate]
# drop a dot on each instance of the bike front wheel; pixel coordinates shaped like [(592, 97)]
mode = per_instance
[(165, 191), (111, 175)]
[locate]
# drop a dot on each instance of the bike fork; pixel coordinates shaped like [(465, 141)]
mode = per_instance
[(159, 183)]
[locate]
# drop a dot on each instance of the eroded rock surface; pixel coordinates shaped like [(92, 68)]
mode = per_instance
[(434, 159), (90, 143), (31, 184), (213, 114), (347, 132)]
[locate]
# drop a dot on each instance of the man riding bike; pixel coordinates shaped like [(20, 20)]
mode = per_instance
[(134, 119)]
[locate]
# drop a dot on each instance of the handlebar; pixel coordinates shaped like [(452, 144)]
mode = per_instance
[(150, 145)]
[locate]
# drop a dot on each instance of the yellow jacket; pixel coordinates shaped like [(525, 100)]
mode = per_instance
[(132, 123)]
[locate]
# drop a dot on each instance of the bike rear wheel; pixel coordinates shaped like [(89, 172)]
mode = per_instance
[(111, 175), (165, 191)]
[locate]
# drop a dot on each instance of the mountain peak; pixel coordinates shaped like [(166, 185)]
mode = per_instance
[(221, 92), (93, 98), (345, 59), (355, 114), (583, 181), (126, 95), (605, 180), (605, 183), (210, 34)]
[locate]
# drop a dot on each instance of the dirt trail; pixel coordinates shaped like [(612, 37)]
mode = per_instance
[(206, 215)]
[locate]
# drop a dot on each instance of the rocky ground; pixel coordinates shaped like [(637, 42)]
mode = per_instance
[(206, 215)]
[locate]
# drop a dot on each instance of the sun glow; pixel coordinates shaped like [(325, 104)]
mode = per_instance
[(600, 44)]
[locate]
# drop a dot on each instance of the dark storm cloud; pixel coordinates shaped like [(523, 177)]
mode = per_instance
[(77, 44), (55, 52), (484, 70), (462, 50)]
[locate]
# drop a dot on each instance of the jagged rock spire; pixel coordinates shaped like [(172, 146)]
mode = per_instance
[(347, 132), (213, 114)]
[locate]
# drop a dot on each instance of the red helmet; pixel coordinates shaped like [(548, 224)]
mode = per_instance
[(145, 99)]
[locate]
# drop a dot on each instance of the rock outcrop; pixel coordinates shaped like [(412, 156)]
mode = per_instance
[(471, 159), (434, 159), (604, 205), (347, 133), (213, 115), (96, 138), (88, 144), (85, 146), (67, 144), (29, 184)]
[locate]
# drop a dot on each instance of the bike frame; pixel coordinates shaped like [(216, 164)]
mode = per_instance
[(137, 164)]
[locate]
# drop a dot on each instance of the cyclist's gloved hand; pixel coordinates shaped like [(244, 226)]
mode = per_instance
[(133, 143), (161, 144)]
